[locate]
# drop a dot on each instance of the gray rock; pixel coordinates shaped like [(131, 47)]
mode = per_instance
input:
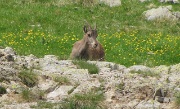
[(59, 94), (144, 0), (9, 50), (19, 106), (7, 54), (163, 99), (111, 3), (163, 12), (148, 105), (77, 75), (47, 85), (8, 73), (177, 14), (87, 86), (172, 1), (121, 88), (139, 68)]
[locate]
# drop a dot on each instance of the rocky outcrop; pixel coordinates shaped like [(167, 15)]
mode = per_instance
[(137, 87)]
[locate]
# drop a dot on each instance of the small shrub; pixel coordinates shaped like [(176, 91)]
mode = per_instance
[(28, 78), (61, 80), (145, 73), (177, 100), (29, 95), (45, 105), (92, 68), (2, 90), (89, 100)]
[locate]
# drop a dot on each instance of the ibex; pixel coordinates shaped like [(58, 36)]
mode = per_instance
[(88, 47)]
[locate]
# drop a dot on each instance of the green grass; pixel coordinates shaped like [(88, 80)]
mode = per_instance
[(49, 27), (2, 90), (146, 73), (61, 79), (177, 101), (92, 68), (45, 105), (28, 78), (29, 95), (90, 100)]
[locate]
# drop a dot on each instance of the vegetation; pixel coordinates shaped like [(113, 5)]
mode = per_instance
[(28, 78), (177, 101), (2, 90), (45, 105), (51, 27), (92, 68), (145, 73), (61, 80), (89, 100), (29, 95)]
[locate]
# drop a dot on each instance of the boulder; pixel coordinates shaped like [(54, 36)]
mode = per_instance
[(162, 12)]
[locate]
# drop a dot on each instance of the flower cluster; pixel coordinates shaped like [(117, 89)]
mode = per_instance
[(39, 43), (151, 49), (123, 48)]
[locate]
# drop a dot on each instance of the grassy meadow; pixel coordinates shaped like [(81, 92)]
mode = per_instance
[(43, 27)]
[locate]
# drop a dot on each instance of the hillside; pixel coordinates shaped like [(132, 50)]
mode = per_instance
[(141, 39), (132, 32), (31, 82)]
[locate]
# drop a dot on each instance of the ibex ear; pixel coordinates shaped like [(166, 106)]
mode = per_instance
[(85, 29)]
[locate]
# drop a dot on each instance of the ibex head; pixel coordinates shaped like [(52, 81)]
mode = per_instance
[(90, 35)]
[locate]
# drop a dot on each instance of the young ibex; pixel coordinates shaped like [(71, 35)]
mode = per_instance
[(88, 48)]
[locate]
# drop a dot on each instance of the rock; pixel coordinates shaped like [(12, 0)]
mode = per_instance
[(51, 64), (163, 99), (172, 1), (7, 54), (27, 61), (144, 0), (59, 93), (8, 73), (122, 88), (47, 85), (77, 75), (139, 68), (87, 86), (20, 106), (10, 51), (163, 12), (148, 105), (111, 3), (177, 14)]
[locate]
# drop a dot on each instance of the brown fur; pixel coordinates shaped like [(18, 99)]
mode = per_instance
[(88, 48)]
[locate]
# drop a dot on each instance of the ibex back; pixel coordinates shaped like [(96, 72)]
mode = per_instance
[(88, 47)]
